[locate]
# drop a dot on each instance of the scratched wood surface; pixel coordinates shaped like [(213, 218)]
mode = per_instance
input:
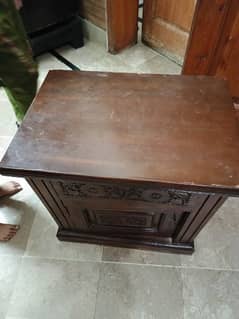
[(169, 129)]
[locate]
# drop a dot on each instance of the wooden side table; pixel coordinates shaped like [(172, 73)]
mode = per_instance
[(129, 160)]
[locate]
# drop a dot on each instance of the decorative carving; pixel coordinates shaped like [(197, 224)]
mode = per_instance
[(108, 191)]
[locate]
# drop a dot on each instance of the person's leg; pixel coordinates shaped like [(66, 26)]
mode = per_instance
[(18, 71), (18, 76), (7, 231)]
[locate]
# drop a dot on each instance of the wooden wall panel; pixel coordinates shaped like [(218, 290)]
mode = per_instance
[(168, 40), (213, 48), (176, 12), (228, 65), (166, 25), (94, 11), (207, 27)]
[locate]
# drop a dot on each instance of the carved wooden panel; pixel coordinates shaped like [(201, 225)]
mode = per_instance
[(85, 190), (121, 218), (124, 214), (162, 223)]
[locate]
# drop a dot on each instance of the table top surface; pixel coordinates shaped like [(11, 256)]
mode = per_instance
[(172, 129)]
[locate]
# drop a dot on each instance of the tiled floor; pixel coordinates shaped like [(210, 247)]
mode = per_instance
[(41, 277)]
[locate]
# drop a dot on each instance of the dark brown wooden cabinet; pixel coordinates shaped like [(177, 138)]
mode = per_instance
[(125, 214), (129, 160)]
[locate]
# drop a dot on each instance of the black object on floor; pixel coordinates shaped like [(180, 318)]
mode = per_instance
[(56, 36), (64, 60), (51, 24)]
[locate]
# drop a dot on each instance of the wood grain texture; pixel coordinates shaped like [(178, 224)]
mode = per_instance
[(94, 11), (227, 65), (139, 161), (166, 25), (208, 24), (163, 129), (177, 12), (214, 44), (122, 17)]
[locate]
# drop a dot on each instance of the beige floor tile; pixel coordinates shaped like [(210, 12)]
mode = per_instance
[(9, 267), (111, 63), (124, 255), (136, 55), (217, 244), (43, 242), (41, 77), (7, 117), (4, 143), (83, 57), (54, 289), (159, 65), (48, 62), (210, 294), (133, 292), (20, 206), (94, 57)]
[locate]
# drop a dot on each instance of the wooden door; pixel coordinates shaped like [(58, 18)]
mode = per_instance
[(213, 48), (117, 17), (167, 24), (122, 16)]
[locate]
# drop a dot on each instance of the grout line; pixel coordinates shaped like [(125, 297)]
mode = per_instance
[(183, 293), (64, 60), (172, 266), (125, 263), (97, 291)]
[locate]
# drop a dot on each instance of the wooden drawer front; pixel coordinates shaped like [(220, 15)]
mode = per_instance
[(105, 191)]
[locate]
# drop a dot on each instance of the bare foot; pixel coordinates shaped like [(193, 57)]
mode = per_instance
[(9, 189), (7, 231)]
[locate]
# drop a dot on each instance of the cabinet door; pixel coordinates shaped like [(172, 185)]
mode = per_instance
[(160, 222), (126, 208)]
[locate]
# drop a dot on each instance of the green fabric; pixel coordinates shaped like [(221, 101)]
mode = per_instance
[(18, 71)]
